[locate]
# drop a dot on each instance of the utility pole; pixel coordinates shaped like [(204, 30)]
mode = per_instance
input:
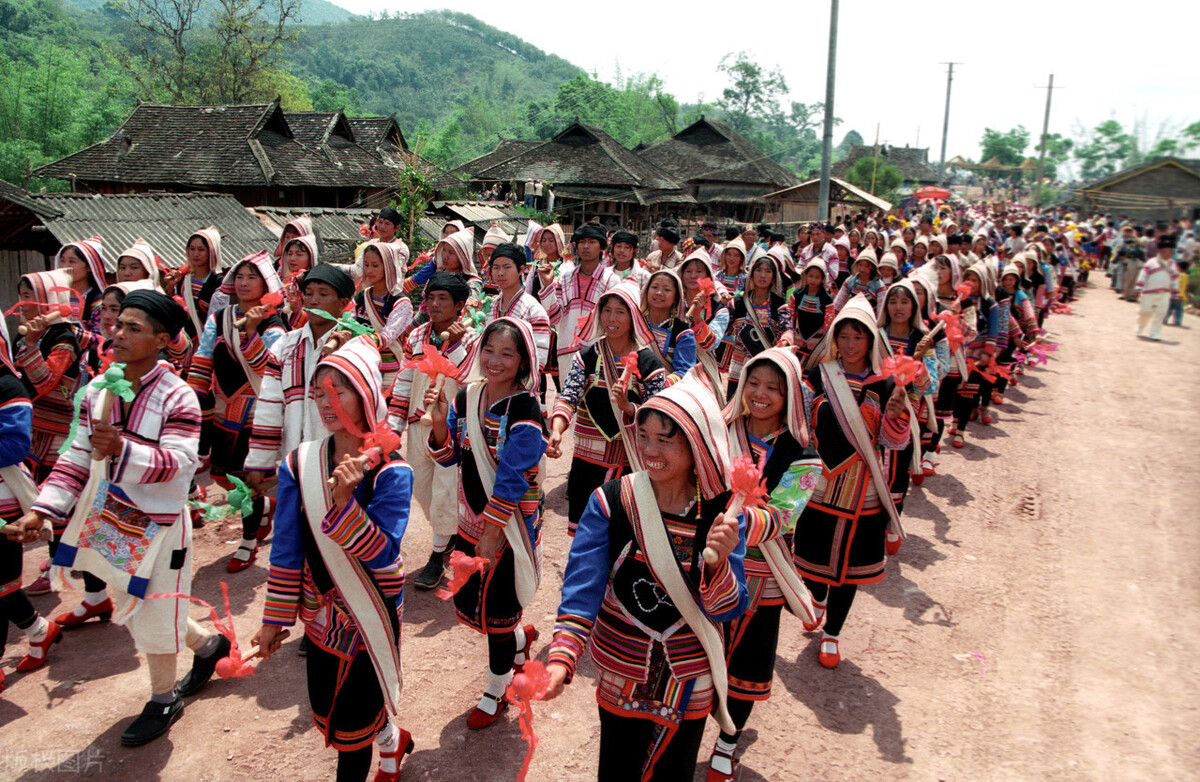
[(1037, 193), (827, 139), (946, 122), (875, 163)]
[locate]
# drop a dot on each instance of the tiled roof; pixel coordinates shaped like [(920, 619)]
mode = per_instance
[(913, 162), (382, 135), (507, 149), (709, 150), (235, 146), (582, 155), (165, 220)]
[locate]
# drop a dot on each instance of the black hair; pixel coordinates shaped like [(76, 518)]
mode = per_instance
[(859, 328), (768, 364), (732, 232), (672, 426), (708, 226)]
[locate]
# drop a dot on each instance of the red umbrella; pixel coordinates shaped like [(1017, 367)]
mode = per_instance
[(929, 191)]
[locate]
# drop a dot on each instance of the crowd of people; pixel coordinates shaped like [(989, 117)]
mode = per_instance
[(325, 398)]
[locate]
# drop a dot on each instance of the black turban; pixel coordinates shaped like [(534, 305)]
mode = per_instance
[(590, 231), (450, 282), (390, 214), (627, 237), (514, 252), (159, 306), (669, 233), (333, 277)]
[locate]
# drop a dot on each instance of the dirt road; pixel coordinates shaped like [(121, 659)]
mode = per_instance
[(1040, 622)]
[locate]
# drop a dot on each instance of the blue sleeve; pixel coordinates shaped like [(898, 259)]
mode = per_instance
[(16, 426), (522, 451), (685, 353), (993, 321), (586, 576), (422, 275), (737, 563), (287, 545), (719, 323), (388, 510), (208, 340)]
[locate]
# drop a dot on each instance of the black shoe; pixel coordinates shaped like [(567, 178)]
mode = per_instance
[(431, 575), (154, 721), (302, 647), (202, 669)]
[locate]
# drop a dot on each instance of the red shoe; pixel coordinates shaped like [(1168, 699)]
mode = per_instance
[(928, 467), (891, 543), (829, 659), (197, 518), (103, 610), (531, 635), (404, 748), (986, 417), (40, 586), (717, 776), (478, 718), (268, 519), (44, 566), (958, 441), (975, 414), (918, 479), (2, 680), (997, 398), (235, 565), (31, 663)]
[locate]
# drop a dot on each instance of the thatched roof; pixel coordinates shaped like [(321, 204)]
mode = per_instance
[(913, 162), (708, 150)]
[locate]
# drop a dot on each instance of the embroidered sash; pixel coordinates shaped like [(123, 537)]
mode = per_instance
[(359, 593), (850, 420), (778, 558), (515, 532), (233, 338)]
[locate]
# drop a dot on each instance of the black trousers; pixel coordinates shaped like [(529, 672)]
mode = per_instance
[(628, 745), (840, 598), (15, 607)]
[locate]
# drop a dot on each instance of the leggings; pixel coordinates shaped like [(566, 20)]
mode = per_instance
[(967, 400), (354, 765), (944, 407), (626, 744), (838, 607), (251, 522), (15, 606), (502, 650)]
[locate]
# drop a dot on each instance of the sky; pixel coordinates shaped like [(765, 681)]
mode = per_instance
[(889, 59)]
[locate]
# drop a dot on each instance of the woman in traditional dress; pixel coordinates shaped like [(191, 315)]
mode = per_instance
[(139, 262), (905, 334), (17, 491), (229, 363), (87, 278), (336, 564), (198, 282), (674, 342), (811, 305), (381, 302), (839, 540), (637, 587), (981, 316), (865, 280), (766, 422), (759, 317), (925, 287), (299, 255), (708, 316), (495, 434), (590, 396)]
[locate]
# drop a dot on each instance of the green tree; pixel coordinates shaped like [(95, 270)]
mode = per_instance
[(1058, 151), (329, 95), (1105, 150), (182, 53), (887, 178), (1008, 147), (753, 93)]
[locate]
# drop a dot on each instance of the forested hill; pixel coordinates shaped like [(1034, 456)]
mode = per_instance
[(312, 11), (424, 66)]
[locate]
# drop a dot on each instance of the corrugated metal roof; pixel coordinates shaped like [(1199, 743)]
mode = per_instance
[(165, 220), (338, 228), (481, 214)]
